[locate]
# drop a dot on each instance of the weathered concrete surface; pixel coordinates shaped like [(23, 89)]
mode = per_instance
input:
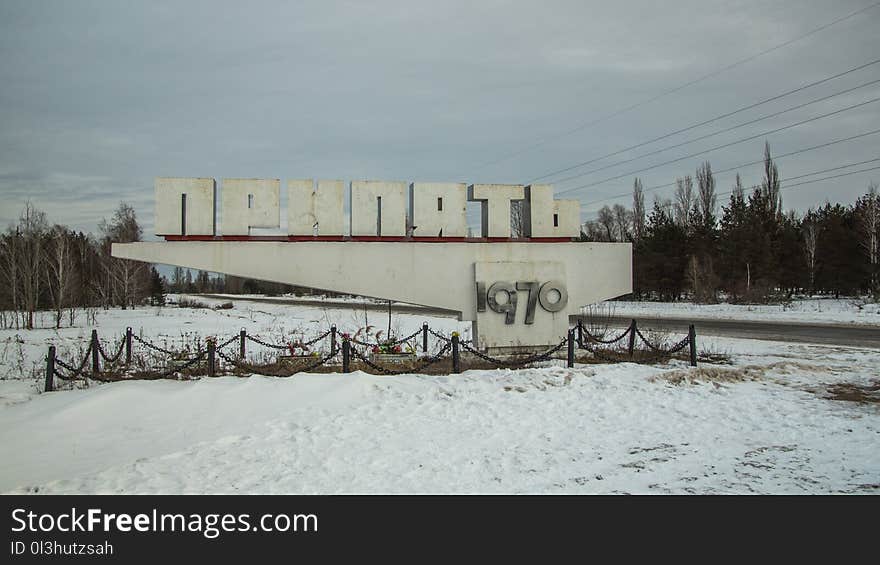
[(541, 209), (250, 203), (494, 202), (201, 204), (369, 217), (315, 212), (438, 209)]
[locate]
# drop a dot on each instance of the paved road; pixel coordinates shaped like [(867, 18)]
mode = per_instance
[(831, 334), (370, 306)]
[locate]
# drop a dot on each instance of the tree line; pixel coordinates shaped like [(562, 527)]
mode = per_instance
[(752, 251), (49, 267)]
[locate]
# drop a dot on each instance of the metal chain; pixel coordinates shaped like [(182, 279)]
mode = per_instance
[(183, 367), (300, 344), (674, 349), (77, 373), (247, 366), (227, 342), (152, 345), (448, 340), (385, 343), (116, 356), (545, 356), (426, 362), (608, 341)]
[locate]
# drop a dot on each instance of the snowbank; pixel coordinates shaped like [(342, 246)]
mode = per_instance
[(764, 425)]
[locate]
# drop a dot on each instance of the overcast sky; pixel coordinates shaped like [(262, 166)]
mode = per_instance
[(98, 98)]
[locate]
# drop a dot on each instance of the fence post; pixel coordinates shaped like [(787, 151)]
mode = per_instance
[(95, 346), (692, 341), (128, 346), (242, 339), (424, 337), (570, 348), (332, 340), (346, 355), (456, 358), (632, 338), (50, 370), (580, 330), (212, 350)]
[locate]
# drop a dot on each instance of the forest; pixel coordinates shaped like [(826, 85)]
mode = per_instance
[(750, 250)]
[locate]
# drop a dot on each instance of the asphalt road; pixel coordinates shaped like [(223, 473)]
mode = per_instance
[(829, 334), (369, 306)]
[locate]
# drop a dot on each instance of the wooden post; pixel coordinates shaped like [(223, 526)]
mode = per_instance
[(456, 358), (692, 341), (632, 338), (570, 348), (95, 345), (242, 339), (424, 337), (580, 330), (128, 346), (212, 368), (346, 355), (333, 340), (50, 370)]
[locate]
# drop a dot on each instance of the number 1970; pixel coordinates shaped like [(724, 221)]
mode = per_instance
[(552, 296)]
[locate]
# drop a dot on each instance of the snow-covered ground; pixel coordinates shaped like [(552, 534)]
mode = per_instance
[(22, 353), (814, 311), (766, 423)]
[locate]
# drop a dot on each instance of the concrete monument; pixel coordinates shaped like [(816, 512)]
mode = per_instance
[(405, 242)]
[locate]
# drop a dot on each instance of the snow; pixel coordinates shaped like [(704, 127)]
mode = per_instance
[(22, 353), (764, 423), (814, 311)]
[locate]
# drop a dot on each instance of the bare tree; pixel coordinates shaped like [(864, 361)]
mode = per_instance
[(59, 271), (706, 192), (738, 190), (10, 263), (810, 230), (622, 222), (638, 212), (867, 210), (33, 226), (593, 231), (770, 184), (684, 200), (127, 280), (517, 218), (606, 219)]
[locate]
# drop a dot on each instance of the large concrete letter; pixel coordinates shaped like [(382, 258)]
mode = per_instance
[(546, 217), (378, 208), (250, 203), (185, 206), (495, 206), (314, 212), (438, 209)]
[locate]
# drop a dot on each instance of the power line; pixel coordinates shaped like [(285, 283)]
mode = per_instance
[(719, 132), (722, 171), (705, 122), (675, 89), (749, 138), (817, 180), (726, 192)]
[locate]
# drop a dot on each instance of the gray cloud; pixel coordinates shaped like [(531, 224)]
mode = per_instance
[(100, 97)]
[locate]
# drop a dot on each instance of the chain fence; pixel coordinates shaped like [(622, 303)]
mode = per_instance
[(450, 349)]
